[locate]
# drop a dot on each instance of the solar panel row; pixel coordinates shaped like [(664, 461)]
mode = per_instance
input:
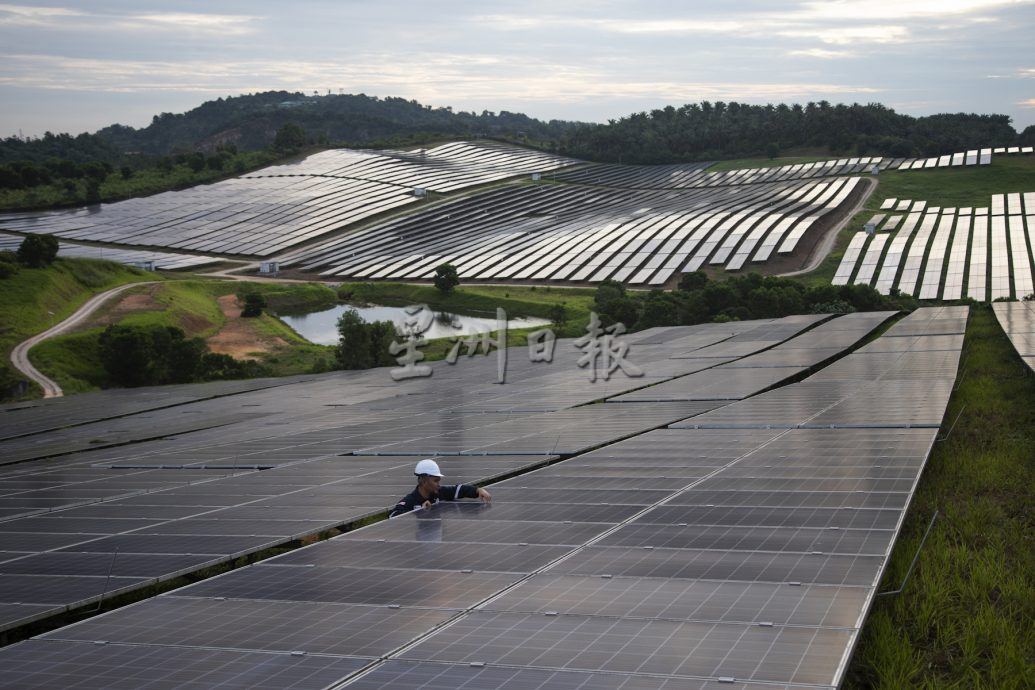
[(688, 175), (133, 257), (1018, 321)]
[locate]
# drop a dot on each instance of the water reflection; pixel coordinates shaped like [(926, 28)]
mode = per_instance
[(322, 326)]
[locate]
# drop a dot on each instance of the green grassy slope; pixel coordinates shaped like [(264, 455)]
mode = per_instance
[(35, 299), (73, 361)]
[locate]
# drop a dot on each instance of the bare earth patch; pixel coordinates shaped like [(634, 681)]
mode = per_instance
[(238, 337), (129, 304)]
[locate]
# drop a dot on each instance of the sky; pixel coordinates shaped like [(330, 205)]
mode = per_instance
[(80, 66)]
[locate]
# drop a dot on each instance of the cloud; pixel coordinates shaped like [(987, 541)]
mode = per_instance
[(513, 22), (822, 53), (851, 35), (1026, 72), (432, 78), (222, 24), (63, 19), (1030, 103), (852, 10), (23, 15), (832, 22)]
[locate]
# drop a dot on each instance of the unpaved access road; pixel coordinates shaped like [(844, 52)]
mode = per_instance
[(20, 354)]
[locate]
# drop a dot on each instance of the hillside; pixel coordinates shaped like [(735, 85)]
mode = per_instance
[(251, 122), (708, 131)]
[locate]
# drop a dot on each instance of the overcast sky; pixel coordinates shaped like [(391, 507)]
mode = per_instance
[(79, 66)]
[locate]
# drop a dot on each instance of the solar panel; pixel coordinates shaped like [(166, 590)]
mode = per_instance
[(259, 625), (477, 676), (430, 556), (345, 585), (41, 664), (709, 650)]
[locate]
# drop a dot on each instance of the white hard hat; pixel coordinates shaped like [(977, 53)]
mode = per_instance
[(427, 467)]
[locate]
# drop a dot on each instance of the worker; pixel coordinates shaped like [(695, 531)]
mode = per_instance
[(430, 491)]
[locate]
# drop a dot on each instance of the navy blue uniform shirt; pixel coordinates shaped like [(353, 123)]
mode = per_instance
[(414, 500)]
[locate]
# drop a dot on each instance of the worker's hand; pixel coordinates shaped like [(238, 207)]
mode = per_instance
[(425, 505), (484, 495)]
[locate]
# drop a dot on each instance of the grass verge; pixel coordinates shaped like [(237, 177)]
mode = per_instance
[(475, 300), (967, 617)]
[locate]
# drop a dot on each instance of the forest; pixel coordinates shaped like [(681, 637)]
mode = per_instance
[(713, 131), (231, 135)]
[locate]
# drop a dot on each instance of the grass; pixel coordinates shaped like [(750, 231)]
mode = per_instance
[(35, 299), (474, 300), (960, 186), (967, 617), (186, 304), (72, 360), (481, 300)]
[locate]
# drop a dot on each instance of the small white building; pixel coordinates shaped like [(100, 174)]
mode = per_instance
[(269, 267)]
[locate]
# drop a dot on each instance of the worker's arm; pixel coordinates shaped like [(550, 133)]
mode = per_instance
[(458, 491), (409, 503)]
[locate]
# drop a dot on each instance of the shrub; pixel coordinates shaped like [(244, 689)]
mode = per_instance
[(446, 278), (38, 251)]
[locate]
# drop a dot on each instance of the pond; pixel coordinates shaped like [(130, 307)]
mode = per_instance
[(322, 326)]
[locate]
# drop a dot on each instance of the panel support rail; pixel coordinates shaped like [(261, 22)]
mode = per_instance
[(916, 557)]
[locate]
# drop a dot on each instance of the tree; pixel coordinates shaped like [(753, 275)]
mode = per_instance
[(289, 139), (38, 251), (446, 278), (696, 280), (8, 264), (128, 355), (558, 314), (254, 303), (93, 191), (363, 345), (353, 350), (150, 355), (612, 305), (772, 150)]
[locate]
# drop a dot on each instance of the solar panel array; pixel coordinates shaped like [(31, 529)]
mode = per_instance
[(691, 175), (586, 234), (153, 483), (1018, 322), (277, 208), (664, 558), (132, 257), (960, 158), (983, 253)]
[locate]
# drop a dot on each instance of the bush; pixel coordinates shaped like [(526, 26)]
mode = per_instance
[(38, 251), (156, 355), (8, 264), (363, 345), (446, 278), (254, 303)]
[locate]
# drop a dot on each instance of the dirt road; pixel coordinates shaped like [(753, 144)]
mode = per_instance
[(20, 354)]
